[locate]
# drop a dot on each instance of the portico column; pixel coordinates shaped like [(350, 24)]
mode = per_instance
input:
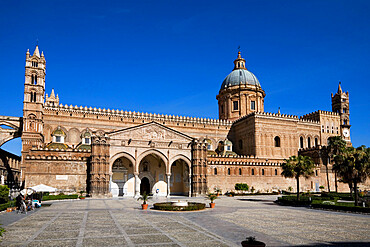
[(189, 185), (137, 186), (168, 184)]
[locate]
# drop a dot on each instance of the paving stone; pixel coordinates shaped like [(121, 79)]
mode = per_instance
[(57, 235), (150, 239), (53, 243), (104, 242)]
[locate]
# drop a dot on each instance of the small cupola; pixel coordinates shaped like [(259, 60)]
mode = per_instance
[(239, 63)]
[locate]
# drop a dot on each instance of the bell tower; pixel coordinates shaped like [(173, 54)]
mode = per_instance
[(33, 103), (340, 105)]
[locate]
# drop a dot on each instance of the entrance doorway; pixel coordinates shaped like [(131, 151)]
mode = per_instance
[(145, 186)]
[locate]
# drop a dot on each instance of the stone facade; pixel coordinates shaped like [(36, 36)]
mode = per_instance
[(114, 152)]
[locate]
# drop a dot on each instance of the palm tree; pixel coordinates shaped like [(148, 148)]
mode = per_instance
[(353, 166), (297, 166), (336, 146)]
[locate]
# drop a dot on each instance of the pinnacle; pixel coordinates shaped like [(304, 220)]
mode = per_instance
[(36, 52), (339, 88)]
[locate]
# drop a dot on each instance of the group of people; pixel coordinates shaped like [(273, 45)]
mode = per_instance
[(24, 203)]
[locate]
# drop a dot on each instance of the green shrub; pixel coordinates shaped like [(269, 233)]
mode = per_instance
[(59, 197), (4, 206), (4, 194), (342, 207), (241, 186), (167, 206)]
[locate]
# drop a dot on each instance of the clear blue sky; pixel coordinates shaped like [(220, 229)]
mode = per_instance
[(171, 57)]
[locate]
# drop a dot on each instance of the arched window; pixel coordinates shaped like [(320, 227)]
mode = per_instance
[(345, 122), (32, 79), (252, 171), (309, 142), (240, 171), (301, 142), (316, 173), (228, 171), (35, 82), (316, 141), (277, 141), (263, 171), (215, 171), (275, 172)]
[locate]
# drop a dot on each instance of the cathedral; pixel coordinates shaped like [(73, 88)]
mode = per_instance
[(114, 152)]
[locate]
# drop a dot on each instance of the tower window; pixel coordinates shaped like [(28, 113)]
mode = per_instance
[(240, 171), (344, 110), (275, 172), (345, 122), (252, 171), (215, 171), (253, 105), (277, 141), (235, 105), (35, 82), (301, 142), (228, 171), (263, 171)]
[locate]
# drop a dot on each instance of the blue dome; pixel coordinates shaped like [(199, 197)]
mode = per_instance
[(238, 77)]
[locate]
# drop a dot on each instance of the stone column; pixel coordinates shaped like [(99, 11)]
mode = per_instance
[(189, 185), (168, 184), (137, 186)]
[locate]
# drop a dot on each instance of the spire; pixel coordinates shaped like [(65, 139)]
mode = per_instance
[(239, 62), (339, 88), (36, 52), (42, 54), (279, 110), (52, 95)]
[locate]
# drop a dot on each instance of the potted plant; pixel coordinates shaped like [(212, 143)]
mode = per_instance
[(218, 191), (144, 198), (212, 197), (252, 242), (82, 195)]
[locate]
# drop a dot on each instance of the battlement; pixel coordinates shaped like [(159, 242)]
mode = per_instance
[(242, 160), (137, 115), (316, 114), (276, 115)]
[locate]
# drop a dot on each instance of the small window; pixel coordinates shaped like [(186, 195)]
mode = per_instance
[(240, 171), (275, 172), (87, 141), (309, 142), (345, 122), (344, 110), (215, 171), (235, 105), (316, 173), (252, 171), (58, 139), (316, 141), (228, 171), (228, 148), (277, 141), (301, 142), (253, 105), (209, 146), (263, 171)]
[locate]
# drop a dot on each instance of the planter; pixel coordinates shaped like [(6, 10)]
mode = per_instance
[(82, 197), (144, 206), (253, 244), (9, 209), (212, 205)]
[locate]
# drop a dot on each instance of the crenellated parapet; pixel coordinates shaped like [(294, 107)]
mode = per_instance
[(316, 115), (242, 160), (134, 115), (277, 116), (58, 154)]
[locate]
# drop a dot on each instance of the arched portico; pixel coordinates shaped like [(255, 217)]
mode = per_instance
[(122, 180), (180, 181)]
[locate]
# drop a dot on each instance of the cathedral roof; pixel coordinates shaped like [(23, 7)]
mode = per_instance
[(240, 75)]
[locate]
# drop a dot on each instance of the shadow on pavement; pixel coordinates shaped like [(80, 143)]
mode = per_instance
[(337, 244)]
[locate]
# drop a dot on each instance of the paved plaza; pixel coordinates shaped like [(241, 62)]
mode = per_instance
[(121, 222)]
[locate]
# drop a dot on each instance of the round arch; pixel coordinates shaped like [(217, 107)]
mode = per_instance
[(119, 155), (148, 152), (178, 157)]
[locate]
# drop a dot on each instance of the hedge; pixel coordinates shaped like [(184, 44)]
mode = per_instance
[(341, 207), (167, 206), (241, 186), (4, 206), (59, 197)]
